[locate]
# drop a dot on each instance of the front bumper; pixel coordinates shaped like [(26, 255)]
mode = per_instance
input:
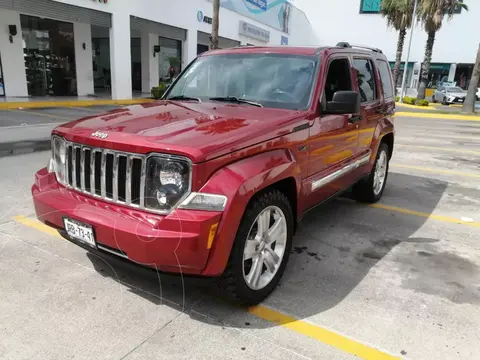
[(455, 100), (177, 242)]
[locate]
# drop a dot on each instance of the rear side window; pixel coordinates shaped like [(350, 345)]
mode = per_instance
[(366, 79), (386, 79)]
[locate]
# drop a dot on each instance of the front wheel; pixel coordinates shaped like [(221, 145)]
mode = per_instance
[(261, 250), (444, 101), (371, 189)]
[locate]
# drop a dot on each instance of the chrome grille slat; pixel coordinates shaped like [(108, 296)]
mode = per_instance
[(92, 171), (143, 175), (82, 168), (103, 179), (74, 167), (128, 181), (115, 177)]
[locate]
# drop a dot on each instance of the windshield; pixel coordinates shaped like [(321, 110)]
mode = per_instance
[(454, 89), (272, 80)]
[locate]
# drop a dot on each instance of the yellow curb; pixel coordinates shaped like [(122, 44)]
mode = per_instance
[(70, 103), (439, 116), (415, 106)]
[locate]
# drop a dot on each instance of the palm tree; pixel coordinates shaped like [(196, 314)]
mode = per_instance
[(469, 104), (431, 14), (215, 24), (399, 16)]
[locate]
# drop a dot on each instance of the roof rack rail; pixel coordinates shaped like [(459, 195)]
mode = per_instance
[(348, 45)]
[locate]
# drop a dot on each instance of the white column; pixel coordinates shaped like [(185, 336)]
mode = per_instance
[(120, 56), (83, 58), (13, 61), (451, 73), (149, 62), (190, 47)]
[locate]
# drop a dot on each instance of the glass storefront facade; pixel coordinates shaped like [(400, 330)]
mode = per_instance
[(49, 54), (169, 59)]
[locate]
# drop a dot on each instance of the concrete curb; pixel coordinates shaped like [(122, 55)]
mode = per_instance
[(70, 103), (24, 147)]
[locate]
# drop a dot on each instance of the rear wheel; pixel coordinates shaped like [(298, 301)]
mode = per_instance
[(261, 249), (371, 189), (433, 99), (444, 101)]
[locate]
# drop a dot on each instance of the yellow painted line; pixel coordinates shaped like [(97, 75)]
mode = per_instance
[(475, 138), (63, 118), (425, 215), (72, 103), (35, 224), (458, 117), (319, 333), (436, 171), (415, 106), (472, 152)]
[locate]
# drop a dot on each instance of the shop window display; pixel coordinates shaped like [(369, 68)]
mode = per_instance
[(49, 54), (170, 59)]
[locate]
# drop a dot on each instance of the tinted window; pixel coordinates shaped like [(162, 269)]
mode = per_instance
[(366, 79), (386, 79), (338, 78)]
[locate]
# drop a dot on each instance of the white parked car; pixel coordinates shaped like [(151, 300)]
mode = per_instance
[(449, 95), (478, 94)]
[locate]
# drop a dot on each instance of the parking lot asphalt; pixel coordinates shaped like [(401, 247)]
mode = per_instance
[(29, 117), (398, 279)]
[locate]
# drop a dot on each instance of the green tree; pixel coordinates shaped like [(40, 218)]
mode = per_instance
[(469, 104), (398, 14), (215, 25), (431, 13)]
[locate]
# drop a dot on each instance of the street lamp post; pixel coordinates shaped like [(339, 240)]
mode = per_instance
[(410, 36)]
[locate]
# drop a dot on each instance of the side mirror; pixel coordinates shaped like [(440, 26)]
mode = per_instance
[(344, 102)]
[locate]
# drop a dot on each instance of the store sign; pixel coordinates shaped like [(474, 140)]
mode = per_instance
[(253, 31), (370, 6), (284, 40), (273, 13), (203, 18), (262, 4)]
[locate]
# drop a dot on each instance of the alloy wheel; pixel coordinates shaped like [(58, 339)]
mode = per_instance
[(264, 248)]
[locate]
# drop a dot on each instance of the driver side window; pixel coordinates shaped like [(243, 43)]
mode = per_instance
[(338, 78)]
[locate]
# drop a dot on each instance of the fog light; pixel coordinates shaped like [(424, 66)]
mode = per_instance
[(201, 201)]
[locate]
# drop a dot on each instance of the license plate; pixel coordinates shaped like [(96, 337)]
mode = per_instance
[(460, 100), (80, 232)]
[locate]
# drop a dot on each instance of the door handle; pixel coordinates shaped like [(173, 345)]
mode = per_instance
[(355, 118)]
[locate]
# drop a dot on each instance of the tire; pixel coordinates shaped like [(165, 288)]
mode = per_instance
[(433, 99), (364, 190), (444, 101), (234, 280)]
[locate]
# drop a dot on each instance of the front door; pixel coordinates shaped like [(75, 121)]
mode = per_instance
[(333, 142)]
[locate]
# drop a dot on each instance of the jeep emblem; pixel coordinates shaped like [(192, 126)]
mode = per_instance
[(100, 135)]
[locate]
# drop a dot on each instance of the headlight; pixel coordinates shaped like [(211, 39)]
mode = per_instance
[(167, 182), (59, 155)]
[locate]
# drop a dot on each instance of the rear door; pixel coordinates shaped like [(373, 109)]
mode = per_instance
[(372, 105)]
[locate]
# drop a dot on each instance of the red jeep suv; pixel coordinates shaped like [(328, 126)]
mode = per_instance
[(212, 179)]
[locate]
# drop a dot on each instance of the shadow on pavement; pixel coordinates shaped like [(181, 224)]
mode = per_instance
[(335, 247)]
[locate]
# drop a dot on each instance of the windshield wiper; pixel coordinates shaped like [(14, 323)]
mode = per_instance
[(183, 97), (235, 100)]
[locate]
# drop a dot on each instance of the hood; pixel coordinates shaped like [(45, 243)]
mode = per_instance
[(201, 131), (457, 94)]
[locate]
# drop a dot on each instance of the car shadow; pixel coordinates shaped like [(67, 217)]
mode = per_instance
[(336, 246)]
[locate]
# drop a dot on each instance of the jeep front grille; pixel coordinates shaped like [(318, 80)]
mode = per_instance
[(111, 175)]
